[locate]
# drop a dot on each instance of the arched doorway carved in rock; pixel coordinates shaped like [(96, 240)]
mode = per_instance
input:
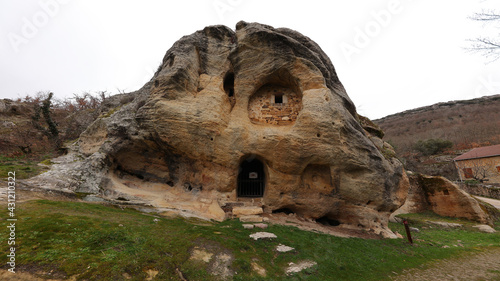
[(251, 178)]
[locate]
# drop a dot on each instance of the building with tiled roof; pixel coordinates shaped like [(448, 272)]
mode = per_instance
[(482, 164)]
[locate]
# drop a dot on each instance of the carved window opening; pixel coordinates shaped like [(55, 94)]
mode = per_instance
[(251, 178), (229, 84)]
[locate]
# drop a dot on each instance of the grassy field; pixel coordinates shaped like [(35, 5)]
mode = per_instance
[(97, 242)]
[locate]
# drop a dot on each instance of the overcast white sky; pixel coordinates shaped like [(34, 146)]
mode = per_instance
[(391, 55)]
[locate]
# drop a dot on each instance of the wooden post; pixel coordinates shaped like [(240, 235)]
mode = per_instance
[(408, 233)]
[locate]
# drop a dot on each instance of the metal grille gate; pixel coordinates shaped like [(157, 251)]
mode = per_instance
[(251, 178), (251, 188)]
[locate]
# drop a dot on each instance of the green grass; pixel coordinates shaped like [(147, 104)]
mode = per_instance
[(111, 112), (23, 167), (102, 243), (47, 162)]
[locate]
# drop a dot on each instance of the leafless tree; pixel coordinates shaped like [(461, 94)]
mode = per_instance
[(486, 45), (477, 169)]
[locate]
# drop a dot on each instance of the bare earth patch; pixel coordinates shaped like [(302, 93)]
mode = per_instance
[(311, 225), (482, 266)]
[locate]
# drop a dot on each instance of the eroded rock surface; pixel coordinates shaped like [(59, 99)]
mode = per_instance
[(256, 112), (443, 197)]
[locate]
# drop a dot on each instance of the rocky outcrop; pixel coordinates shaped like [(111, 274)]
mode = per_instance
[(441, 196), (9, 107), (256, 112)]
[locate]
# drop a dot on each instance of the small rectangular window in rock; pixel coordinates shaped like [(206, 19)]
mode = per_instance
[(278, 98)]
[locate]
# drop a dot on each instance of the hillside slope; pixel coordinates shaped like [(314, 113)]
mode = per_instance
[(466, 123)]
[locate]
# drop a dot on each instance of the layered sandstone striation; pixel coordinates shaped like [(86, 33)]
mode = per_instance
[(227, 109)]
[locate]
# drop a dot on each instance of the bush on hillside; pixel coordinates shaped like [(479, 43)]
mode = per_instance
[(432, 146), (39, 124)]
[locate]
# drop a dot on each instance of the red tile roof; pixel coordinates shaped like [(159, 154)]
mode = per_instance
[(480, 152)]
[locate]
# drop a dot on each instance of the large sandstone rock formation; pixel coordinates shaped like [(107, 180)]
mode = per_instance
[(256, 112), (441, 196)]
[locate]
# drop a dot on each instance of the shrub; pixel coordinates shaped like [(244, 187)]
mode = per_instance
[(51, 131), (432, 146)]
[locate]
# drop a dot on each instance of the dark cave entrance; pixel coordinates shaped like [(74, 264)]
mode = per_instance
[(251, 178), (229, 84)]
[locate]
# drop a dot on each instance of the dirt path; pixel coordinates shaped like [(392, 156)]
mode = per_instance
[(495, 203), (25, 276), (483, 266)]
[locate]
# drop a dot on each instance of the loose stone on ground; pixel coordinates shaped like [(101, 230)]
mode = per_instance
[(485, 228), (445, 224), (414, 229), (261, 225), (263, 235), (259, 269), (283, 249), (296, 268)]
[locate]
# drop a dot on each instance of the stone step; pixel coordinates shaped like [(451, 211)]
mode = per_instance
[(251, 218), (247, 211), (229, 206)]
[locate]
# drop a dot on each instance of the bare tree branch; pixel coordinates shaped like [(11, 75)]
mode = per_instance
[(489, 47), (486, 15)]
